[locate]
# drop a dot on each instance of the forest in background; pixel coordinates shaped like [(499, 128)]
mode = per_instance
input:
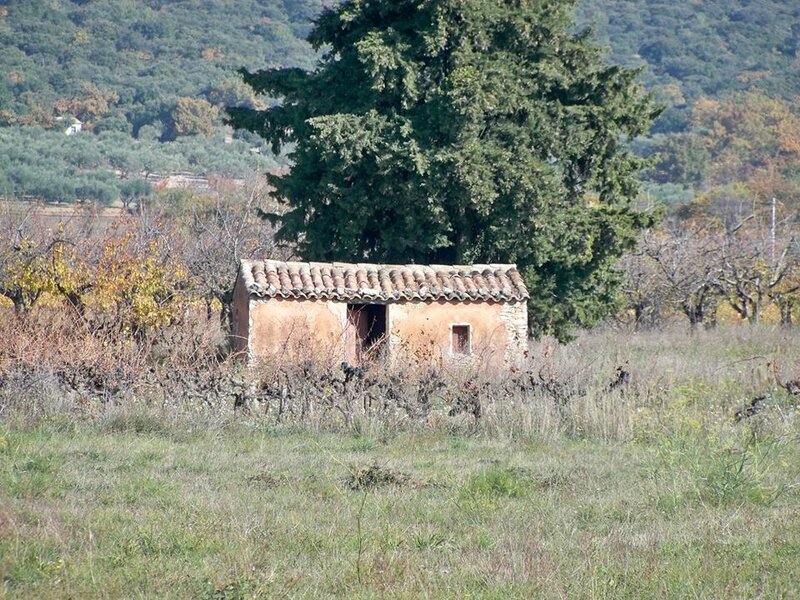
[(148, 79), (700, 47)]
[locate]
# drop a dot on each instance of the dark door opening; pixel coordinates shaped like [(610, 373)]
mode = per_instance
[(367, 325)]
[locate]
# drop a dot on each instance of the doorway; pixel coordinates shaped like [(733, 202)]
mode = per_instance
[(366, 325)]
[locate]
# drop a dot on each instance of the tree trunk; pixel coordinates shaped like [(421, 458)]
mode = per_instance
[(694, 311), (21, 301), (225, 321), (711, 314), (786, 307), (19, 305), (226, 311), (639, 312), (209, 308), (755, 315)]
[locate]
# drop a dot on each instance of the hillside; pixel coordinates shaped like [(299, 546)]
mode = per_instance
[(147, 79), (140, 56), (701, 47)]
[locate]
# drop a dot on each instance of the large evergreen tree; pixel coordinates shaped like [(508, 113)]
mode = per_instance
[(458, 131)]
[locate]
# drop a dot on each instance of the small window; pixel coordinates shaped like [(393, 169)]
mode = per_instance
[(461, 339)]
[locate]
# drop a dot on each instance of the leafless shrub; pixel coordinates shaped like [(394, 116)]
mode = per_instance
[(219, 230), (598, 386), (47, 357)]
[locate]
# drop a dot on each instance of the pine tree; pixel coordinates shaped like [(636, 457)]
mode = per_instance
[(459, 131)]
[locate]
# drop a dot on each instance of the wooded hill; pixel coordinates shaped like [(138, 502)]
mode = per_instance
[(698, 48), (148, 78), (102, 59)]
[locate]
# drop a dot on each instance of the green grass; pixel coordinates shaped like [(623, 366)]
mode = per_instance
[(235, 511), (653, 491)]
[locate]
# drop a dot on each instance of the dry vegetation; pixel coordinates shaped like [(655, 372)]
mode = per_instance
[(611, 467)]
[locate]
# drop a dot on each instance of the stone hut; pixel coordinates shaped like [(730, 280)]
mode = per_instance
[(358, 312)]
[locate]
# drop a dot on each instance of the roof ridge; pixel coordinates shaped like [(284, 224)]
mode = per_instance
[(382, 265)]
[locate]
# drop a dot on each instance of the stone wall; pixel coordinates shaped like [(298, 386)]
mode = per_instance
[(514, 316)]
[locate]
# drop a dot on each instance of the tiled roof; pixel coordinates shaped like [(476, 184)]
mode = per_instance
[(382, 283)]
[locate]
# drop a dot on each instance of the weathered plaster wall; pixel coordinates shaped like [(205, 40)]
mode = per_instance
[(417, 330), (423, 330), (297, 328)]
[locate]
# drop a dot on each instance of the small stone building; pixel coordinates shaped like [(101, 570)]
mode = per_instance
[(358, 312)]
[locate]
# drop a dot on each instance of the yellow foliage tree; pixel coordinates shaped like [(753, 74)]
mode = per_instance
[(23, 273), (138, 282), (751, 138), (128, 280), (193, 116)]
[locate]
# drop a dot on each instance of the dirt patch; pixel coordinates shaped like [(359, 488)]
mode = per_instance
[(266, 480), (375, 476)]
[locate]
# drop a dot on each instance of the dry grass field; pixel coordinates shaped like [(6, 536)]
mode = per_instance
[(582, 490)]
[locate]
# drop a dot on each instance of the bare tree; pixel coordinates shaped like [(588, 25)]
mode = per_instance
[(644, 284), (688, 261), (223, 228), (761, 265), (41, 254), (786, 293)]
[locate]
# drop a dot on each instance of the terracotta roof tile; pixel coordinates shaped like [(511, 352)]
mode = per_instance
[(397, 281), (458, 284), (382, 283), (327, 279), (374, 282), (338, 278)]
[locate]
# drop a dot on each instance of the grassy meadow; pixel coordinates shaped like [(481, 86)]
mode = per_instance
[(651, 489)]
